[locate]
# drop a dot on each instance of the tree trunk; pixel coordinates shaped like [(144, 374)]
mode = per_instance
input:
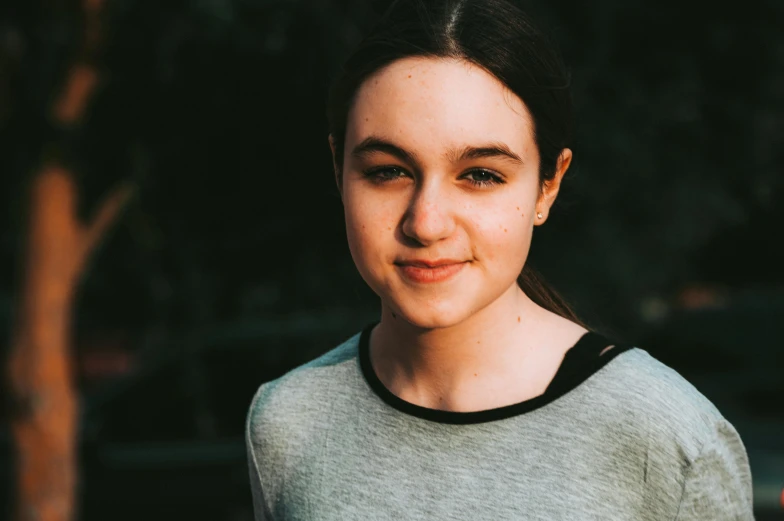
[(57, 248), (43, 417)]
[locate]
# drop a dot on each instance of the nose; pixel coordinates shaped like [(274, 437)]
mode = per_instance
[(429, 218)]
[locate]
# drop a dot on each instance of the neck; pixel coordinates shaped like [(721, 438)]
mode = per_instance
[(496, 351)]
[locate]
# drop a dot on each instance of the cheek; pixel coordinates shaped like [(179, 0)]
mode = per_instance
[(501, 234), (369, 227)]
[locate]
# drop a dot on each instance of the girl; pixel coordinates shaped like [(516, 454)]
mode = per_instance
[(478, 395)]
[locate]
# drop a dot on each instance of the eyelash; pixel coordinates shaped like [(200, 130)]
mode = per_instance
[(376, 175)]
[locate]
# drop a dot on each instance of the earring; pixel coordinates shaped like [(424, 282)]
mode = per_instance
[(539, 215)]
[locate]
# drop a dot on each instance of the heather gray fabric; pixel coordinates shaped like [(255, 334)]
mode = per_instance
[(635, 441)]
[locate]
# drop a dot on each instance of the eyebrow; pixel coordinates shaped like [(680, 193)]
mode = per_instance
[(497, 149), (374, 144)]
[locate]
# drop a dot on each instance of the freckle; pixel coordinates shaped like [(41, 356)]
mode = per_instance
[(409, 75), (474, 374), (478, 342), (389, 227), (518, 319), (504, 229), (518, 208)]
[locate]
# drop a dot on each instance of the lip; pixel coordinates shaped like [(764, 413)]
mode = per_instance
[(424, 271), (424, 263)]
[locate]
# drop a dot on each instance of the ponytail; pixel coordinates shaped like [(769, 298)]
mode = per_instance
[(534, 286)]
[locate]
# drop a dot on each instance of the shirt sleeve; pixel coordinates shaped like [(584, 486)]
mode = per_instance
[(260, 510), (718, 483)]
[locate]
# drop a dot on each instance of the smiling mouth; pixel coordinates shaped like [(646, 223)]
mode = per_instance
[(424, 272)]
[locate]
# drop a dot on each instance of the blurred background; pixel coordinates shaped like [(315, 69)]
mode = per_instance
[(171, 235)]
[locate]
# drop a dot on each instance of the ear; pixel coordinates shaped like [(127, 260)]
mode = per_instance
[(550, 188), (336, 170)]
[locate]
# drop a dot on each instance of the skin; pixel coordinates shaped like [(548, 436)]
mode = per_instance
[(474, 341)]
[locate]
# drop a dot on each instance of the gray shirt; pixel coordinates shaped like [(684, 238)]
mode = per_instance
[(616, 436)]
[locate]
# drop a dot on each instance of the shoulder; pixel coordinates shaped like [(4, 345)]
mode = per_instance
[(689, 443), (677, 416), (284, 407)]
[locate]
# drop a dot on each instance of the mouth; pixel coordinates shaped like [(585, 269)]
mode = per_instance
[(425, 272)]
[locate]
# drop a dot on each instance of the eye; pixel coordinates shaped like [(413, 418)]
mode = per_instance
[(384, 174), (483, 178)]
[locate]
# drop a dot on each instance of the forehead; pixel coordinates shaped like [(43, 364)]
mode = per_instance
[(431, 104)]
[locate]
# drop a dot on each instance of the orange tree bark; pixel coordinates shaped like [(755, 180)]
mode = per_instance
[(57, 248)]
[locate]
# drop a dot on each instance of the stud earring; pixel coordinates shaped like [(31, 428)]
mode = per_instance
[(539, 215)]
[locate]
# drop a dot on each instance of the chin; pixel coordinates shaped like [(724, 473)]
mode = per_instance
[(430, 315)]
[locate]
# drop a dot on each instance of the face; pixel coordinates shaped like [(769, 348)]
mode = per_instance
[(440, 188)]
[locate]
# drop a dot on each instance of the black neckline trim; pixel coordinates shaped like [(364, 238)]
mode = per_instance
[(579, 364)]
